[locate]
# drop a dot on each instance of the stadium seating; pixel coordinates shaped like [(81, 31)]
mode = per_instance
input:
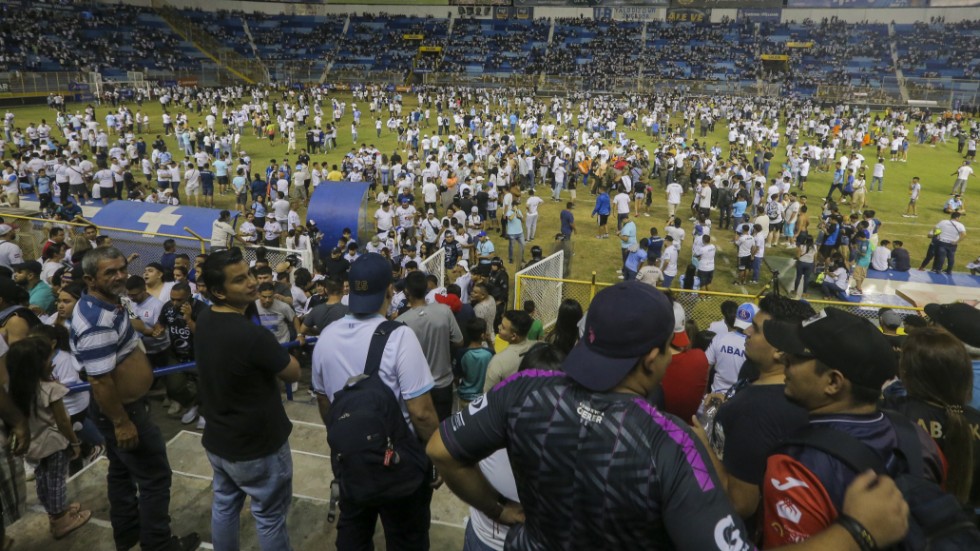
[(116, 39)]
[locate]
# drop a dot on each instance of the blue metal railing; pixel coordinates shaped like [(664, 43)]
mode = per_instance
[(177, 368)]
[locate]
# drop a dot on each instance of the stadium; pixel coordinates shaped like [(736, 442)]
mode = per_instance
[(814, 150)]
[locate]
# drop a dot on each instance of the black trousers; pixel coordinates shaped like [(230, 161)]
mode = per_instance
[(405, 522), (442, 400), (138, 482)]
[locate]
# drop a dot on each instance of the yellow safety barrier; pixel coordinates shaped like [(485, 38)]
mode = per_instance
[(704, 307), (33, 233)]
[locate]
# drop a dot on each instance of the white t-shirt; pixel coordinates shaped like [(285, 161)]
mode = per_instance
[(879, 259), (707, 261), (668, 260), (221, 234), (963, 172), (950, 230), (622, 202), (744, 243), (532, 204), (342, 349), (383, 219), (674, 191), (726, 354)]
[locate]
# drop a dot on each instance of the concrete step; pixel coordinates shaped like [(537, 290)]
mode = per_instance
[(190, 503)]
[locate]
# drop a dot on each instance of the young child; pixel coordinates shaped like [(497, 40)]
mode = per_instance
[(53, 443), (473, 361)]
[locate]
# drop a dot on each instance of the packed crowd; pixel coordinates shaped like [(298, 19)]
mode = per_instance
[(91, 38), (471, 170), (843, 54)]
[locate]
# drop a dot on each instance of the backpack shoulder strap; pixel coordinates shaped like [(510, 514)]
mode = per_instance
[(7, 312), (377, 348), (844, 447), (908, 442)]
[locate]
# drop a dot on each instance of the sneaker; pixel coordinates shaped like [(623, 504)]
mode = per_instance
[(621, 277), (190, 416), (68, 523), (906, 216), (28, 471), (174, 409), (856, 292), (200, 423)]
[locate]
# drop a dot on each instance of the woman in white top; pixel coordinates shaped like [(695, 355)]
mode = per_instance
[(54, 260), (247, 230)]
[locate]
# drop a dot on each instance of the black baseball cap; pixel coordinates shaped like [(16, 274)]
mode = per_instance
[(30, 266), (960, 319), (623, 324), (841, 340), (369, 277)]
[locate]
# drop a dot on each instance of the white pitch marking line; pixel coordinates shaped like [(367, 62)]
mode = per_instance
[(450, 524)]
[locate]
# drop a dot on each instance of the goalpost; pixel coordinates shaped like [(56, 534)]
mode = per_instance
[(436, 265), (542, 282)]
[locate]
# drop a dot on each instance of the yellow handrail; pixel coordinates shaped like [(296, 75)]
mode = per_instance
[(87, 223)]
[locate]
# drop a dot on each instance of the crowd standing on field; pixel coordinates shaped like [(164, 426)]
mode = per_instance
[(470, 172)]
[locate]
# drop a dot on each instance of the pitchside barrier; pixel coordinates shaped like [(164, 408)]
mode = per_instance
[(704, 307), (32, 232)]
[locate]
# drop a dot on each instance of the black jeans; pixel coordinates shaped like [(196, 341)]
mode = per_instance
[(405, 522), (138, 482)]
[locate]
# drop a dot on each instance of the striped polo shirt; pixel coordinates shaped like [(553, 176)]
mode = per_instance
[(101, 335)]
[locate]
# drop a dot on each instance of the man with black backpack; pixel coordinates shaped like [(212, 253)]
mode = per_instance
[(836, 363), (373, 385)]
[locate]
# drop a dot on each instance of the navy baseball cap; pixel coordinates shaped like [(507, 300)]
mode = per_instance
[(369, 277), (623, 324), (841, 340)]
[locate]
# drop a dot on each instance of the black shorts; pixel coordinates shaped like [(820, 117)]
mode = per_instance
[(223, 180), (240, 199), (827, 250), (603, 219), (207, 189), (775, 227), (706, 277), (745, 262), (77, 189)]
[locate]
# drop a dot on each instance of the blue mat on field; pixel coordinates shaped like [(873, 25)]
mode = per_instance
[(958, 279)]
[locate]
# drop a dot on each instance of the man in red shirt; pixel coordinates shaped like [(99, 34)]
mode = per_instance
[(687, 375)]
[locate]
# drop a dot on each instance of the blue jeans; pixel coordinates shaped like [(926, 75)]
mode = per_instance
[(472, 542), (756, 266), (667, 281), (512, 238), (831, 290), (269, 482)]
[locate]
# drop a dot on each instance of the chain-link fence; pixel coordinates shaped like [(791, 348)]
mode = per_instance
[(541, 282), (436, 265), (701, 306), (275, 255)]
